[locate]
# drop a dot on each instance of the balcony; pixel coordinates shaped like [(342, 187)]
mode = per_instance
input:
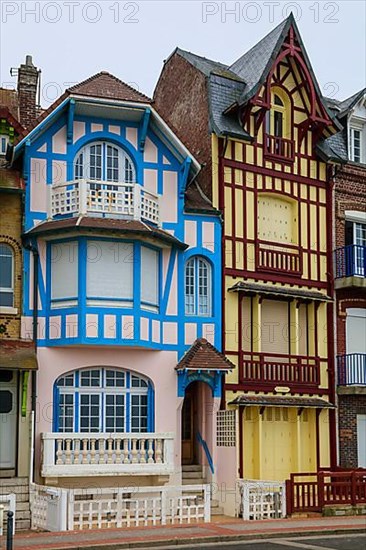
[(104, 454), (352, 369), (264, 370), (272, 257), (279, 148), (84, 197), (350, 266)]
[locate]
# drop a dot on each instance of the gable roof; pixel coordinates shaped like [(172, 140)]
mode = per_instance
[(204, 356), (107, 86)]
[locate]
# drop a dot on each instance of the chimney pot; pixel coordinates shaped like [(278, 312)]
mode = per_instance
[(28, 61)]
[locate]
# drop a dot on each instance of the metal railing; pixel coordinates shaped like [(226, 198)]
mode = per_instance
[(352, 369), (115, 199), (350, 261)]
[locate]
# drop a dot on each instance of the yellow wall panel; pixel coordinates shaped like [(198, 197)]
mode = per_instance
[(227, 174), (239, 264), (239, 151)]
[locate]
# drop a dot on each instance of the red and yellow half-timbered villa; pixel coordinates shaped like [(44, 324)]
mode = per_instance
[(263, 132)]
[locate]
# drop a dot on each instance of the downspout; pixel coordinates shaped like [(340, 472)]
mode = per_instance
[(34, 251)]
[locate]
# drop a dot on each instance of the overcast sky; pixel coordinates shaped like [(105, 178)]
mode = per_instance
[(72, 39)]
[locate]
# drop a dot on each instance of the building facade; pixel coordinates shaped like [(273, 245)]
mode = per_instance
[(266, 146), (350, 281), (17, 355), (124, 279)]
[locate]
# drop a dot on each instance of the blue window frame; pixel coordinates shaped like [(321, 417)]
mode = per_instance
[(198, 287), (101, 399)]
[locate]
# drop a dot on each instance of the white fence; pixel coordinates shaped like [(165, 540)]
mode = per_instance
[(262, 499), (79, 509), (70, 454), (118, 199)]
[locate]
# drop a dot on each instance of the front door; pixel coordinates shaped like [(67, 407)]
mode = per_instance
[(189, 426), (8, 419)]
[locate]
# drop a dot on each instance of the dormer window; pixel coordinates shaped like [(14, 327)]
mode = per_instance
[(278, 142), (4, 140), (356, 144), (102, 161), (278, 116)]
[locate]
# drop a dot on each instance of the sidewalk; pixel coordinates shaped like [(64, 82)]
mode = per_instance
[(226, 529)]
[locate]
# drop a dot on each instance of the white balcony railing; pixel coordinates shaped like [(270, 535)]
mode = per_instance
[(86, 454), (115, 199)]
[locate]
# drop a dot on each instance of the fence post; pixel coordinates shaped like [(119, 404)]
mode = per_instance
[(353, 489), (321, 499), (289, 497), (10, 531)]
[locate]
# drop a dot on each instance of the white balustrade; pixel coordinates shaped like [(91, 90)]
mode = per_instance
[(84, 454), (115, 199)]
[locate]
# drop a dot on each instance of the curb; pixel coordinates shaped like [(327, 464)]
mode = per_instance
[(204, 539)]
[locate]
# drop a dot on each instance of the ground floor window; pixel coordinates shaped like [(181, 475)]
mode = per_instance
[(103, 400)]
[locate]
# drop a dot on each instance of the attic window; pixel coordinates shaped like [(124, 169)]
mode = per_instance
[(355, 144), (278, 100), (4, 140)]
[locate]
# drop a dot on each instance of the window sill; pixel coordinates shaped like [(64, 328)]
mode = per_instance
[(8, 310)]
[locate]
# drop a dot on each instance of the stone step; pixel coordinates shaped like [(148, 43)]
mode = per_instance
[(217, 511), (22, 506), (192, 475), (191, 468), (195, 481), (16, 489), (11, 481)]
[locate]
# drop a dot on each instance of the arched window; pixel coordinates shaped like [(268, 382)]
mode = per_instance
[(197, 286), (6, 275), (103, 161), (103, 400), (278, 120)]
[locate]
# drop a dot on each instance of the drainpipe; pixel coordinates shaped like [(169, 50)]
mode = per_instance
[(34, 251)]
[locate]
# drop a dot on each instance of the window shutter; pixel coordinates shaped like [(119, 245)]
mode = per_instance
[(110, 270), (64, 270), (356, 330), (274, 327), (149, 275)]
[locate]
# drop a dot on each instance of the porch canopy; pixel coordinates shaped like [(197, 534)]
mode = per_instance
[(281, 401), (279, 291), (202, 363), (17, 355)]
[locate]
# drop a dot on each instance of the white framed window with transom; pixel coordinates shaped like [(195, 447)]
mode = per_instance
[(103, 400), (7, 266), (198, 287), (104, 161)]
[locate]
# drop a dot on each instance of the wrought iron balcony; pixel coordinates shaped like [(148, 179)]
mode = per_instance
[(103, 198), (352, 369), (350, 261), (280, 148), (273, 257), (273, 369), (103, 454)]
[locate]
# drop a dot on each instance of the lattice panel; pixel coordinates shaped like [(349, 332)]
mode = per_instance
[(262, 500), (226, 429)]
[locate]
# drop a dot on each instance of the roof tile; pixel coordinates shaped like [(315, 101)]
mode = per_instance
[(204, 356)]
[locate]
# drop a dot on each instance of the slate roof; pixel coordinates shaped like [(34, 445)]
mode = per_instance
[(204, 356), (281, 401), (82, 223), (254, 288), (231, 86), (17, 354)]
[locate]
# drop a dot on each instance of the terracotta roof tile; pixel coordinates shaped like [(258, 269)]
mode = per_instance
[(108, 86), (204, 356), (9, 99)]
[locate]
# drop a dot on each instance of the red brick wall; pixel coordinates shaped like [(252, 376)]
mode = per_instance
[(181, 98), (350, 194), (348, 408)]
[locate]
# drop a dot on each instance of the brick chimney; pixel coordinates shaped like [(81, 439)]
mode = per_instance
[(27, 92)]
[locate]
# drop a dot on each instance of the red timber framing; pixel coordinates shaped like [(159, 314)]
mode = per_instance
[(290, 170)]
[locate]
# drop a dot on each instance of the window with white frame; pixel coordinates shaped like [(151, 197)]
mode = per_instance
[(356, 144), (103, 161), (109, 277), (64, 274), (149, 278), (197, 286), (103, 400), (6, 275), (4, 140)]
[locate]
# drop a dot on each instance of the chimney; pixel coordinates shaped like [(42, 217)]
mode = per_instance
[(27, 92)]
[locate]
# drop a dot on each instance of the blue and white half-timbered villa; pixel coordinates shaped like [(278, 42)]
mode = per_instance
[(123, 280)]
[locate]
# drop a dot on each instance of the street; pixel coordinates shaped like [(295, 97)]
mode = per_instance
[(327, 542)]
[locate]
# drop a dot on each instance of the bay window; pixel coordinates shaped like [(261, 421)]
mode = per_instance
[(64, 274), (149, 277), (103, 161)]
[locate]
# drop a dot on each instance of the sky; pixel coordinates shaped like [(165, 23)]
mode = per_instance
[(71, 40)]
